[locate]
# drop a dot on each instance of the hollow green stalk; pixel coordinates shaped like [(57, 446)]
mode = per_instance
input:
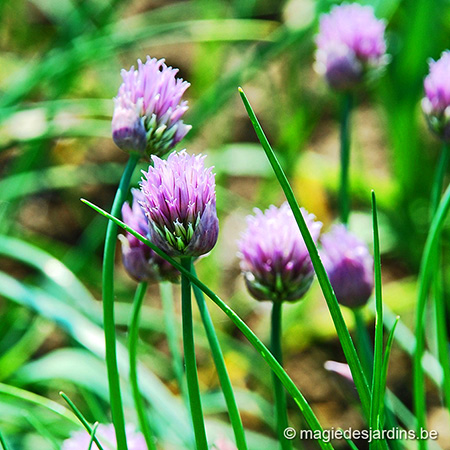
[(341, 328), (165, 289), (376, 394), (81, 418), (108, 307), (3, 442), (290, 386), (280, 396), (189, 358), (438, 291), (344, 198), (133, 335), (221, 368), (426, 268)]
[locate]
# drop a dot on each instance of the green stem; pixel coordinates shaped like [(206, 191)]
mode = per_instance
[(189, 358), (344, 198), (3, 442), (165, 289), (133, 336), (290, 386), (426, 268), (280, 396), (438, 291), (335, 311), (108, 307), (221, 368), (81, 418), (363, 344)]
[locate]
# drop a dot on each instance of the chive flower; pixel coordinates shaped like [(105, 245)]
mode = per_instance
[(436, 103), (350, 45), (349, 265), (140, 261), (180, 204), (273, 256), (148, 109), (106, 436)]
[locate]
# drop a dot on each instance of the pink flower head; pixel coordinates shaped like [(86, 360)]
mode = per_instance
[(436, 103), (148, 109), (180, 204), (107, 437), (350, 43), (274, 258), (349, 266), (140, 261)]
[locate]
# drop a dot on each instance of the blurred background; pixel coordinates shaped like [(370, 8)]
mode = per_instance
[(60, 65)]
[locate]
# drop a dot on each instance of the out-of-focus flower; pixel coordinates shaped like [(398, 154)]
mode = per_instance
[(350, 45), (148, 109), (223, 444), (436, 103), (107, 437), (140, 261), (180, 203), (349, 266), (274, 259)]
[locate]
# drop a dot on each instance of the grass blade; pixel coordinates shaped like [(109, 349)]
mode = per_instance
[(335, 311), (248, 333), (94, 429), (81, 418), (3, 442), (377, 395)]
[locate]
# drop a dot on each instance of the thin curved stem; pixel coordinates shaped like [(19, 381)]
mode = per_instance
[(335, 311), (438, 291), (424, 284), (133, 336), (344, 198), (290, 386), (189, 359), (221, 368), (108, 307), (3, 442), (165, 289), (280, 396)]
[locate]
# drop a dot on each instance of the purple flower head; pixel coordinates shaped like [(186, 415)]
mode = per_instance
[(349, 266), (148, 109), (180, 203), (107, 437), (140, 261), (274, 258), (350, 45), (436, 103)]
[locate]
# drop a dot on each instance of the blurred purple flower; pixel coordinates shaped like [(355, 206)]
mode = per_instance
[(274, 258), (180, 203), (140, 261), (148, 109), (350, 45), (107, 436), (436, 103), (349, 266)]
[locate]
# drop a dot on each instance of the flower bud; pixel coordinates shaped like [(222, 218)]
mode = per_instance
[(140, 261), (349, 266), (149, 100), (350, 45), (274, 259), (436, 103), (179, 200)]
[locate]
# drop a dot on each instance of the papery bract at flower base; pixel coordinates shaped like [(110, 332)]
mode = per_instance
[(436, 103), (274, 258), (140, 261), (349, 266), (148, 109), (350, 45), (180, 203), (107, 437)]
